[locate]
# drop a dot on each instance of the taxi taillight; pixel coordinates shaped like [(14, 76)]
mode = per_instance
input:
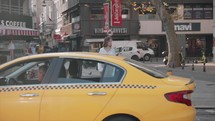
[(180, 97)]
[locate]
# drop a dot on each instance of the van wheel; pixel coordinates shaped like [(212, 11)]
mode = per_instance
[(147, 57), (134, 57)]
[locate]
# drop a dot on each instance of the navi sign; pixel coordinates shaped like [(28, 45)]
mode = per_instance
[(186, 27)]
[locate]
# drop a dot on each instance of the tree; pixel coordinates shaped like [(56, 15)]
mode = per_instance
[(168, 24), (161, 9)]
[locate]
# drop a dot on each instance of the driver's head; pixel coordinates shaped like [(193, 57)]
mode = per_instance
[(41, 72)]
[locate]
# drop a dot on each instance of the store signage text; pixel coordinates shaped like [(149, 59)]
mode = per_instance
[(115, 30), (186, 27), (116, 13), (12, 23)]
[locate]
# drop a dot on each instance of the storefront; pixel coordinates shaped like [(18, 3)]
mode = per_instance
[(193, 36), (16, 30)]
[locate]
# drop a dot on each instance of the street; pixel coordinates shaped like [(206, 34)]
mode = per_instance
[(205, 114)]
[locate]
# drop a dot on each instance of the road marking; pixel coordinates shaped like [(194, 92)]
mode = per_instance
[(210, 111)]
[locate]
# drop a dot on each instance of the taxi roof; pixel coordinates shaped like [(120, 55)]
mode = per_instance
[(84, 55)]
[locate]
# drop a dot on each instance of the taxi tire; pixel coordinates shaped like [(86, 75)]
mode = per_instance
[(121, 118)]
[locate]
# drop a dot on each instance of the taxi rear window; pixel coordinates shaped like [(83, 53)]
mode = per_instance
[(147, 69)]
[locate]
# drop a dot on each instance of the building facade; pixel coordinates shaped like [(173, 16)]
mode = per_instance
[(16, 28), (84, 20), (193, 25), (80, 24)]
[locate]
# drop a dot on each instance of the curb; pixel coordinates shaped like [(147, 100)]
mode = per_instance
[(204, 107)]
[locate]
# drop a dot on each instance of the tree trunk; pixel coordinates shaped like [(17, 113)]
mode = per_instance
[(168, 25)]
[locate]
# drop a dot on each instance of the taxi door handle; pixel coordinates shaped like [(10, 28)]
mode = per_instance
[(29, 95), (97, 93)]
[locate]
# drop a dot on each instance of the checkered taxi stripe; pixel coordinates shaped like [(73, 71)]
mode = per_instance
[(60, 87)]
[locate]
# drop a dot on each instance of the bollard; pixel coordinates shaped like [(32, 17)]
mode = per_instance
[(157, 59), (183, 64), (188, 61), (193, 66), (204, 69), (151, 60)]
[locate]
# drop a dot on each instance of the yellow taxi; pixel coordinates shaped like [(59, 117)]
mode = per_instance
[(91, 87)]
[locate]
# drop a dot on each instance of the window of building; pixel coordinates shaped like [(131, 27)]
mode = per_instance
[(4, 6), (208, 11), (97, 13), (198, 11), (125, 13), (75, 19), (188, 11)]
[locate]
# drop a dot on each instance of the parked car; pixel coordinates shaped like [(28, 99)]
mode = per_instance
[(126, 90), (133, 47), (128, 52)]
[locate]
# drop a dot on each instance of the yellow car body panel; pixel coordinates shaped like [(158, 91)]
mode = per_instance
[(139, 95), (79, 103), (15, 100)]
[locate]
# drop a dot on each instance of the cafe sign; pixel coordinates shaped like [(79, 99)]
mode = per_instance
[(12, 23), (114, 30)]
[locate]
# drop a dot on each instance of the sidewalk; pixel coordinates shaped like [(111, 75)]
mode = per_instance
[(203, 96)]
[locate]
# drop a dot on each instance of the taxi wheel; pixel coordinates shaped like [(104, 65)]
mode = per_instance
[(121, 118)]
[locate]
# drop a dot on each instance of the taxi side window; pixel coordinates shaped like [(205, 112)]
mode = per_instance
[(25, 73), (112, 74), (86, 71)]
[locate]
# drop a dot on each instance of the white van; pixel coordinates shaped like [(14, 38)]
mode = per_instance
[(133, 49)]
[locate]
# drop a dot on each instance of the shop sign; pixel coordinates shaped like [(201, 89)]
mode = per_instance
[(186, 27), (12, 23), (15, 20), (114, 30), (116, 12), (106, 16), (57, 37)]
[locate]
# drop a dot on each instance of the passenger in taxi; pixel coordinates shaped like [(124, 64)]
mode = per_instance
[(41, 72)]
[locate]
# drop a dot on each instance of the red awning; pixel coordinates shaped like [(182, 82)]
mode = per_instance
[(5, 30)]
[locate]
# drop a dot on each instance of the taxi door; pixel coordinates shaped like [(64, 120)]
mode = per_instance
[(20, 97), (76, 99)]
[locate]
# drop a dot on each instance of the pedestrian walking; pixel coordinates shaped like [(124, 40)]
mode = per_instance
[(107, 50), (107, 47)]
